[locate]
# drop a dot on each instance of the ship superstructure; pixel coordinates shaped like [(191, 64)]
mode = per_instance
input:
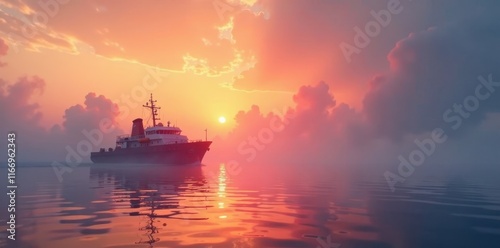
[(158, 144)]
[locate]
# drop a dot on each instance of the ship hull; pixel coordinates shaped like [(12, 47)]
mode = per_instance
[(171, 154)]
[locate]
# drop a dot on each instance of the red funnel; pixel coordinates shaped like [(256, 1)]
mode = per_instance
[(137, 129)]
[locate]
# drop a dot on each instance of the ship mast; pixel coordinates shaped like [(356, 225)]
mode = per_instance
[(154, 109)]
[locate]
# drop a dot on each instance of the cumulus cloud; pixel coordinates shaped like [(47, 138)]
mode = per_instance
[(22, 116), (16, 100), (433, 71), (314, 131), (430, 73), (94, 110)]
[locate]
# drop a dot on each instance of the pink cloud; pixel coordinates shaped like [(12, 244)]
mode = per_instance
[(3, 50), (23, 115)]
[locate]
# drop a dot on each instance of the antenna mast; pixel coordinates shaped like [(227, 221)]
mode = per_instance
[(154, 109)]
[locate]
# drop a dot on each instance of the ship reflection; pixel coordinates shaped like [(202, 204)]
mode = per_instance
[(155, 194)]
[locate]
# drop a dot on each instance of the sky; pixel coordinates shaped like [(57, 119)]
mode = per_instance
[(332, 82)]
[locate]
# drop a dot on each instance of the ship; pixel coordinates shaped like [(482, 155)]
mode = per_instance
[(157, 144)]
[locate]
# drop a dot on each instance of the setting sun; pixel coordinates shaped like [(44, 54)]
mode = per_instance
[(222, 119)]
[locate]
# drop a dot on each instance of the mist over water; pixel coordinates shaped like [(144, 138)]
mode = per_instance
[(210, 206)]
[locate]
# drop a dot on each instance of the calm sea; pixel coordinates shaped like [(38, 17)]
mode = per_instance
[(210, 206)]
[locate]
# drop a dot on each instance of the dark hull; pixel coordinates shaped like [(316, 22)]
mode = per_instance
[(174, 154)]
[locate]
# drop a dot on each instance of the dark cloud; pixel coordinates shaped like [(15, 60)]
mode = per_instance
[(430, 72)]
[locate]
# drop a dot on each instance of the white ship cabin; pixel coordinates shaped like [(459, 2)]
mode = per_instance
[(160, 135), (151, 136)]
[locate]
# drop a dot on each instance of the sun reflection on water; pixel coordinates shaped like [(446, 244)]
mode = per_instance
[(222, 187)]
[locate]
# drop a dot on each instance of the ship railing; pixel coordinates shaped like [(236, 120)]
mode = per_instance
[(180, 142), (122, 137)]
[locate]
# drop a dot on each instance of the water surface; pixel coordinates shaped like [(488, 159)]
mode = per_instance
[(193, 206)]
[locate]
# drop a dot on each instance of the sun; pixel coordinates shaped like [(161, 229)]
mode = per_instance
[(222, 119)]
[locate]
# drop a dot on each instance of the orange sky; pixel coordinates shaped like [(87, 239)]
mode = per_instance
[(188, 95), (200, 49), (192, 101), (204, 59)]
